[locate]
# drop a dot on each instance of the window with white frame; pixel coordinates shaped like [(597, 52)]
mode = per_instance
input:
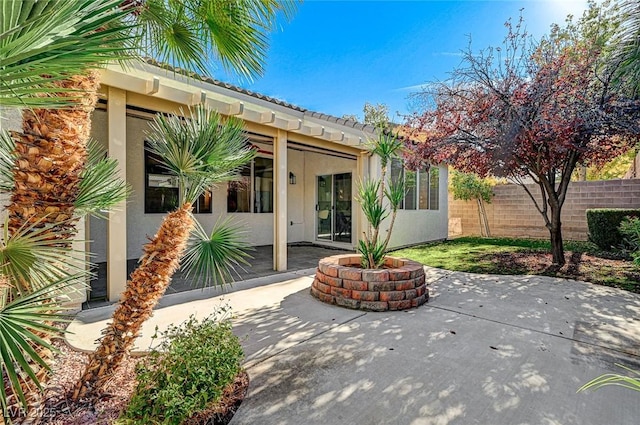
[(421, 186), (253, 191)]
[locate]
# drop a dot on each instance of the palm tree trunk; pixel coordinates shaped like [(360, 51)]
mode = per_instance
[(148, 284), (51, 154), (52, 151)]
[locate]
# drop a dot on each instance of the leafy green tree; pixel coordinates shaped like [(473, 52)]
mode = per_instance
[(470, 187), (614, 169), (376, 115)]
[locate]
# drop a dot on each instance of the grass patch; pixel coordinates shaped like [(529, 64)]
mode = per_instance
[(527, 256)]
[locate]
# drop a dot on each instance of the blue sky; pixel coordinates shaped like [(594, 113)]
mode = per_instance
[(335, 55)]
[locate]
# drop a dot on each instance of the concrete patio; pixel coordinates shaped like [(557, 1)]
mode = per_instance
[(300, 256), (484, 350)]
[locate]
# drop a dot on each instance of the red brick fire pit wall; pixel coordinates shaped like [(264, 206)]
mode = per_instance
[(340, 280)]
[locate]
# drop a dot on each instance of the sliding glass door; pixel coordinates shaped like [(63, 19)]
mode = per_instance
[(334, 208)]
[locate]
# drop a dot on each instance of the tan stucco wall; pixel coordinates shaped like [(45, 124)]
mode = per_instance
[(416, 226), (259, 227)]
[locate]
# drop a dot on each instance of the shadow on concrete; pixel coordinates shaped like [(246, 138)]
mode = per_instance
[(484, 350), (464, 358)]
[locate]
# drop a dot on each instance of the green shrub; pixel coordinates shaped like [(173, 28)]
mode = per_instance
[(187, 372), (630, 230), (604, 223)]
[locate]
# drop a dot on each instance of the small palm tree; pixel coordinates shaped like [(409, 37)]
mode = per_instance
[(372, 195), (201, 151)]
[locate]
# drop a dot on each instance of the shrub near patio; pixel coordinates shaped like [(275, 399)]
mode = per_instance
[(604, 224), (188, 371)]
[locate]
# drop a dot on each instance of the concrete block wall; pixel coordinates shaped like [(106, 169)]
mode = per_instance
[(513, 214)]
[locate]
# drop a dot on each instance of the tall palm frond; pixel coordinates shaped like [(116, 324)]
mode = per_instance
[(23, 323), (371, 204), (201, 151), (386, 146), (30, 259), (372, 195), (7, 161), (48, 40), (101, 187), (626, 54), (213, 258), (185, 33)]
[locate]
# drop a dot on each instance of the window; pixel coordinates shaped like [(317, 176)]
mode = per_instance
[(434, 185), (422, 187), (253, 192), (161, 194)]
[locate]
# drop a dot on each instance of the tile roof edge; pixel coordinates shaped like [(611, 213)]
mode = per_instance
[(260, 96)]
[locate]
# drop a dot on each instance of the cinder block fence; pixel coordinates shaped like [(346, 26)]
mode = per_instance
[(512, 213)]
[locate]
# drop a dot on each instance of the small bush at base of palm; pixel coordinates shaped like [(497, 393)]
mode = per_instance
[(187, 372)]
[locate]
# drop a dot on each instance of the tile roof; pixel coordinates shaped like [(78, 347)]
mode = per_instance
[(318, 115)]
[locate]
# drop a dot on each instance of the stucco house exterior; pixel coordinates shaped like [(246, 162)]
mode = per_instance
[(300, 188)]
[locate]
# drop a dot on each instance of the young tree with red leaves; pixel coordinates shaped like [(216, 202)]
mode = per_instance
[(531, 111)]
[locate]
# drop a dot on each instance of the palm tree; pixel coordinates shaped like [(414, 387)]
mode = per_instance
[(201, 151), (35, 273), (51, 60), (52, 146), (40, 43)]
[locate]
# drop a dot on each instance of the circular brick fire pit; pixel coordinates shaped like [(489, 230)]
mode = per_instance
[(340, 280)]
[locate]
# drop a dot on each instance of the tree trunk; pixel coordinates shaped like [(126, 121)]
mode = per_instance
[(557, 246), (482, 217), (52, 151), (148, 284)]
